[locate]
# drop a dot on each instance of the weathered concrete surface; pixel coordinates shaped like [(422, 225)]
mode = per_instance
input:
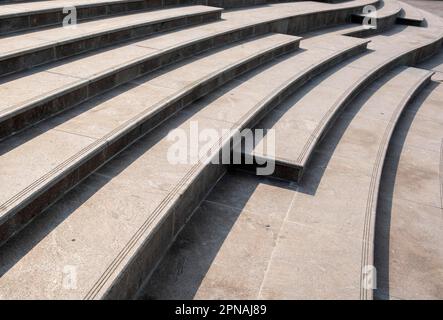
[(252, 237), (309, 113), (314, 247), (408, 247), (148, 166), (108, 124)]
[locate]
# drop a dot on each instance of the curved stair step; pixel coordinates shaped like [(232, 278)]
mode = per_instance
[(74, 82), (21, 52), (409, 214), (410, 15), (174, 189), (24, 51), (328, 232), (311, 112), (101, 128), (16, 17)]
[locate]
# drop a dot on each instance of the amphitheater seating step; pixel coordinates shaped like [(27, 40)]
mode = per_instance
[(316, 238), (409, 219), (173, 189), (99, 129), (72, 82), (112, 133), (384, 16), (337, 199), (310, 112), (30, 15), (410, 15), (23, 51)]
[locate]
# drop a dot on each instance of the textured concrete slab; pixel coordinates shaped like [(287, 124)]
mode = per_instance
[(26, 50), (181, 190), (408, 251), (113, 202), (276, 18), (230, 239), (16, 17), (111, 126), (309, 113)]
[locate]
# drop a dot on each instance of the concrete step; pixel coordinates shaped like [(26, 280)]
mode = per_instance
[(24, 51), (311, 112), (409, 220), (435, 64), (28, 50), (254, 238), (379, 20), (16, 17), (71, 83), (343, 181), (410, 15), (138, 234), (100, 128)]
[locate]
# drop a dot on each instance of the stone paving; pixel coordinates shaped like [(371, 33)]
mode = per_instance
[(93, 206)]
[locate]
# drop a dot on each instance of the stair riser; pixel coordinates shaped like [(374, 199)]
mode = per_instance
[(40, 56), (17, 23), (409, 22), (281, 171), (103, 151)]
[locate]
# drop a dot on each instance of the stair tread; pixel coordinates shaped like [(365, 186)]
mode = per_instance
[(231, 20), (147, 166), (61, 76), (26, 42), (411, 13), (298, 118), (64, 75), (92, 124), (411, 202), (342, 181), (92, 198)]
